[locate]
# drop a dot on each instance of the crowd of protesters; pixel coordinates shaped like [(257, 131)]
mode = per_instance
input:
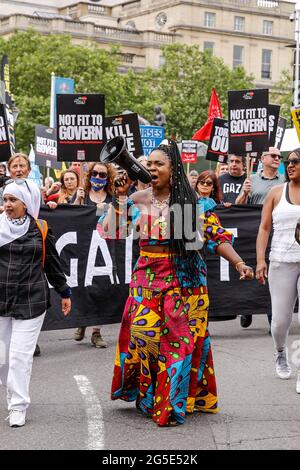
[(229, 184)]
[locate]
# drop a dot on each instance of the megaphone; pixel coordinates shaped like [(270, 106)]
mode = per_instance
[(115, 151)]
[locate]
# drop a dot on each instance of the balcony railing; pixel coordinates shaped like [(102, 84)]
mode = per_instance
[(117, 33), (88, 29)]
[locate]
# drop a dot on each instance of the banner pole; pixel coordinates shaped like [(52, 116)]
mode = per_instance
[(52, 98), (188, 168), (81, 175)]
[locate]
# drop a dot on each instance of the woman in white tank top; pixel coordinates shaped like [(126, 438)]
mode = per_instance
[(282, 210)]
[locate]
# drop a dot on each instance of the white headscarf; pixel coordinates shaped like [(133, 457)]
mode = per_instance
[(27, 192)]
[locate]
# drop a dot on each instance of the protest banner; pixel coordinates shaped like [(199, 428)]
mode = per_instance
[(189, 151), (274, 111), (99, 271), (7, 100), (5, 148), (217, 150), (46, 147), (127, 126), (80, 127), (295, 113), (280, 132), (248, 112), (151, 137)]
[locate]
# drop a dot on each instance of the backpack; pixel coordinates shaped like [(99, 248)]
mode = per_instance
[(43, 228)]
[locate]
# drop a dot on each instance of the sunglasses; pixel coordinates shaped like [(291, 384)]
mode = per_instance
[(293, 161), (101, 174), (17, 181), (206, 183), (274, 156)]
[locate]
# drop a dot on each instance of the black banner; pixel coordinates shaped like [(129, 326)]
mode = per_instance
[(274, 111), (5, 149), (80, 127), (248, 112), (280, 132), (10, 109), (127, 126), (218, 142), (46, 147), (99, 270)]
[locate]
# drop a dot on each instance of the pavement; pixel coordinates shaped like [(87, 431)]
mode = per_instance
[(71, 406)]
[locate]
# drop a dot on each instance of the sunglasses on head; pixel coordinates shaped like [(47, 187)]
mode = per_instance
[(206, 183), (293, 161), (101, 174)]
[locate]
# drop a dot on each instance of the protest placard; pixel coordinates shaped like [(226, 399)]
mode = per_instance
[(5, 149), (217, 150), (151, 137), (248, 112), (80, 127), (189, 151), (295, 113), (280, 132), (274, 111), (127, 126), (46, 147)]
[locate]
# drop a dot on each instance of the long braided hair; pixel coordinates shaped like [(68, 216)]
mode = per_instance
[(181, 194)]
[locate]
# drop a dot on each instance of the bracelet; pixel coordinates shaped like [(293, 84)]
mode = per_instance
[(237, 264)]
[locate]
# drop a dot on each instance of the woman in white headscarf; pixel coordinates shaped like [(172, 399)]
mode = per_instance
[(28, 260)]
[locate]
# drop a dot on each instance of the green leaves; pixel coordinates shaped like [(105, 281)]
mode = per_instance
[(182, 86), (282, 94)]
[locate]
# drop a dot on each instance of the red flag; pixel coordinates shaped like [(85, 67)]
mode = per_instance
[(213, 112)]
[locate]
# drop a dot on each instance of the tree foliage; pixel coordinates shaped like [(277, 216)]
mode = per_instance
[(182, 86), (282, 94), (185, 84), (33, 57)]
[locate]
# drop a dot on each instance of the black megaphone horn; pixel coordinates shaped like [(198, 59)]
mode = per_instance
[(115, 151)]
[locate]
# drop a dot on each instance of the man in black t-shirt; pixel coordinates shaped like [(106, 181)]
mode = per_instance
[(231, 183)]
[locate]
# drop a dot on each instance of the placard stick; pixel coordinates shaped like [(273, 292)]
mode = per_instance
[(249, 165), (81, 179), (81, 175)]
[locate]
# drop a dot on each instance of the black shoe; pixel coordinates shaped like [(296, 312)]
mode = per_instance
[(246, 321), (37, 351)]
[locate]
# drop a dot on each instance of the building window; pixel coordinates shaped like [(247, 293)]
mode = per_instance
[(209, 20), (268, 27), (266, 63), (237, 56), (208, 46), (239, 23)]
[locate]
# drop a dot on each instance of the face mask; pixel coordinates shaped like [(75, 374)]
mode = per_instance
[(98, 183)]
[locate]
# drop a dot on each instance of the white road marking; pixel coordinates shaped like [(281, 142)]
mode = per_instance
[(94, 413)]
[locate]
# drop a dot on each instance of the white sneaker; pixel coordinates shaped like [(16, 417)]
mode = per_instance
[(16, 418), (283, 368), (298, 383)]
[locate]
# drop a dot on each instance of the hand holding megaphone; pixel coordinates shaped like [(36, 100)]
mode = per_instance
[(121, 184)]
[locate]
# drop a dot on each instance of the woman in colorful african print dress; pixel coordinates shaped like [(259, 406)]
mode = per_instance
[(164, 360)]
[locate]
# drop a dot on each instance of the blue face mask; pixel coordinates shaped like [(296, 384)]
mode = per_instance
[(98, 183)]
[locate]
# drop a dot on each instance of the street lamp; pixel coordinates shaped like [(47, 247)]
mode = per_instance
[(296, 18)]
